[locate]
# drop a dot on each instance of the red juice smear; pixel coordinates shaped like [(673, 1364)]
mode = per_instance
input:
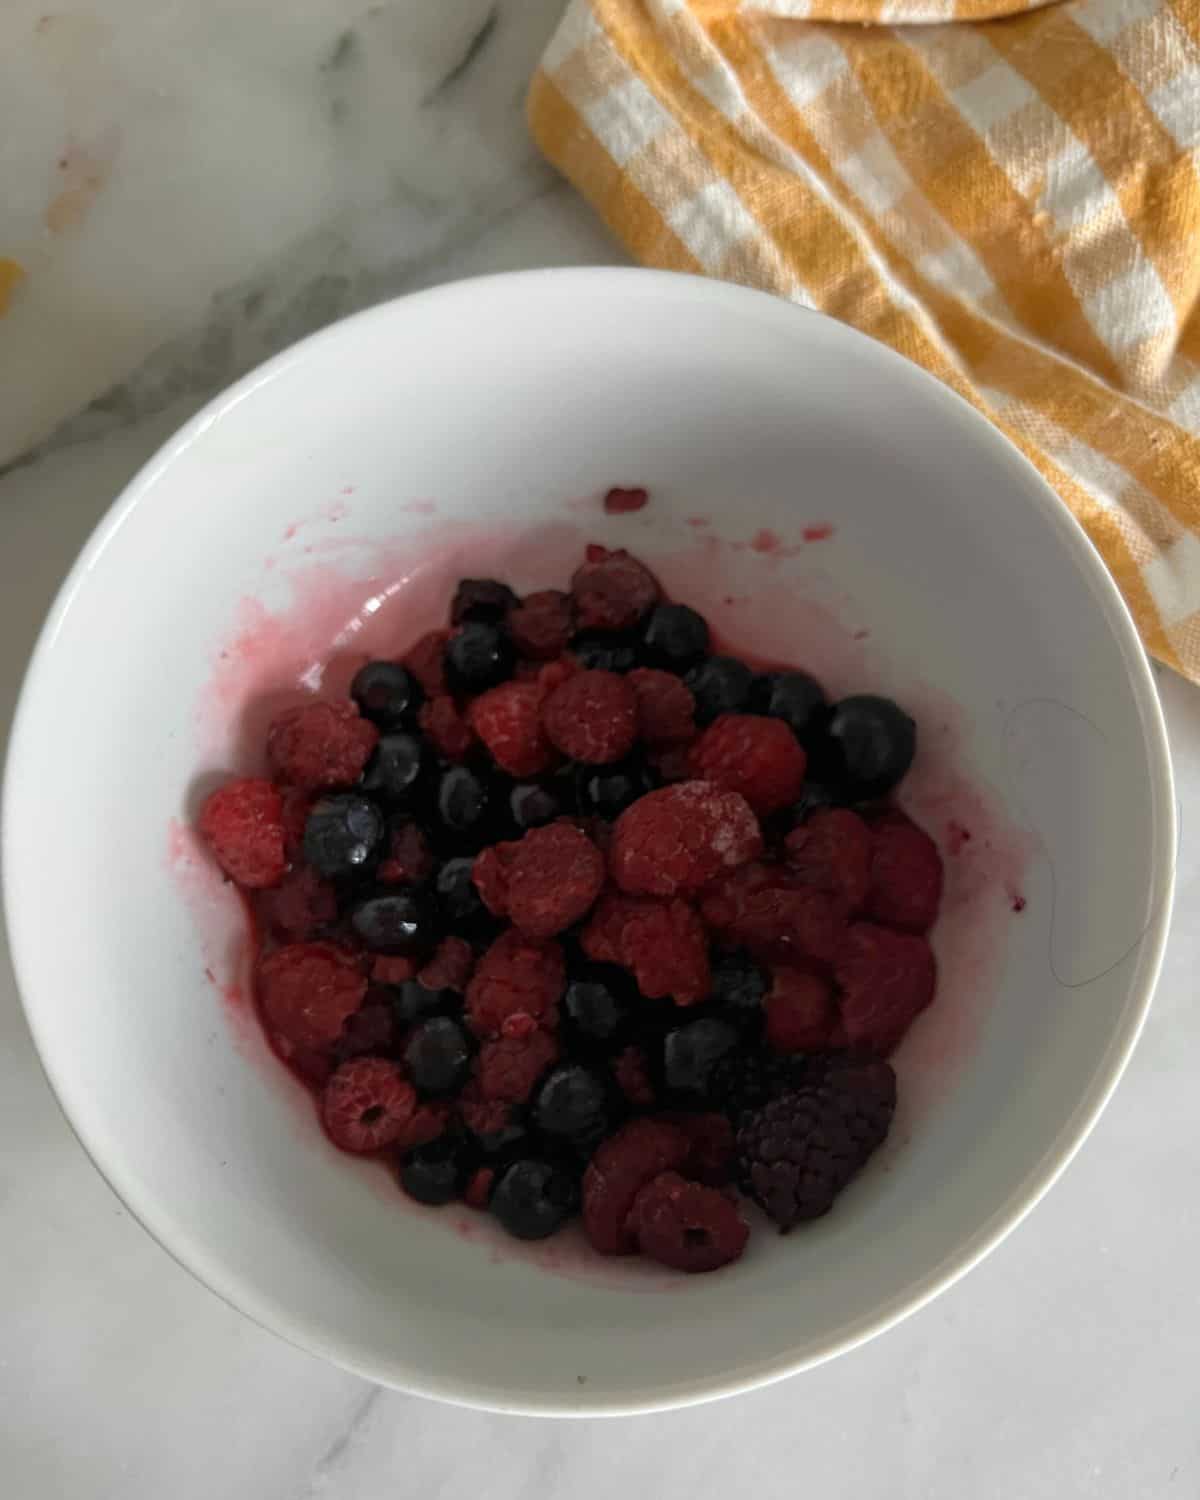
[(623, 502), (821, 532)]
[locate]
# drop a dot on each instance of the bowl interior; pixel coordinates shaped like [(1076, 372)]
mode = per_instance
[(476, 427)]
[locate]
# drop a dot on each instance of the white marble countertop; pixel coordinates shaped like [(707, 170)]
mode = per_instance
[(270, 174)]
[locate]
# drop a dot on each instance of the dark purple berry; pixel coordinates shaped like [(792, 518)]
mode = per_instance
[(462, 802), (573, 1106), (412, 1002), (739, 988), (606, 791), (437, 1056), (794, 697), (395, 920), (398, 770), (531, 805), (602, 651), (343, 835), (675, 637), (434, 1174), (690, 1053), (720, 685), (387, 694), (597, 1005), (873, 741), (534, 1198), (481, 599), (478, 657)]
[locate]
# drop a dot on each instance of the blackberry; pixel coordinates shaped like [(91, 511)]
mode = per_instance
[(798, 1151), (387, 694), (720, 685), (533, 1198), (675, 637), (745, 1081), (343, 835), (478, 657), (482, 599)]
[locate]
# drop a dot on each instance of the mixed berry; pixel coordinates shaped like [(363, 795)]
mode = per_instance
[(566, 913)]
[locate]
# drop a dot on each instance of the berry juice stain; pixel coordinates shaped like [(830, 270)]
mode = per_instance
[(624, 502)]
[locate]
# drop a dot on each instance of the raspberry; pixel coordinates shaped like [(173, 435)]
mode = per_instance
[(301, 907), (758, 908), (760, 758), (428, 1123), (242, 823), (799, 1151), (906, 875), (603, 937), (320, 745), (680, 837), (450, 967), (426, 661), (370, 1031), (887, 978), (832, 851), (508, 1070), (620, 1168), (612, 591), (592, 717), (712, 1150), (665, 707), (508, 721), (632, 1073), (445, 728), (306, 991), (390, 968), (490, 874), (408, 860), (485, 1117), (662, 943), (552, 674), (686, 1226), (671, 764), (479, 1187), (545, 882), (800, 1011), (541, 626), (517, 976), (366, 1104)]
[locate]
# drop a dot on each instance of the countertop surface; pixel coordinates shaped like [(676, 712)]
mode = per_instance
[(243, 180)]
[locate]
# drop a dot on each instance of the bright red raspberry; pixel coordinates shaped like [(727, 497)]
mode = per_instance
[(680, 837), (508, 1069), (509, 722), (426, 661), (665, 947), (370, 1031), (483, 1116), (390, 968), (712, 1147), (800, 1012), (490, 873), (612, 591), (542, 624), (478, 1191), (306, 992), (632, 1073), (445, 728), (242, 823), (602, 938), (408, 860), (320, 744), (366, 1104), (832, 851), (621, 1167), (665, 707), (906, 875), (592, 717), (451, 966), (552, 674), (761, 907), (554, 875), (685, 1225), (301, 907), (517, 976), (760, 758), (887, 978)]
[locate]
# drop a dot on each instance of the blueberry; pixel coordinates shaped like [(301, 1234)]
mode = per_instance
[(386, 693), (739, 987), (395, 920), (463, 910), (503, 1145), (606, 791), (601, 651), (435, 1173), (531, 805), (720, 685), (482, 599), (343, 835), (437, 1056), (412, 1002), (794, 697), (873, 743), (675, 637), (462, 802), (398, 769), (573, 1106), (478, 657), (597, 1005), (691, 1052), (534, 1198), (815, 796)]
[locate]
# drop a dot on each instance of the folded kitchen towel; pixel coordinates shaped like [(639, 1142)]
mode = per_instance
[(1006, 193)]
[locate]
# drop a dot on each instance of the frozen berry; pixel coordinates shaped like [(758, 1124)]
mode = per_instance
[(497, 1131), (386, 693), (398, 771), (832, 851), (573, 1106), (662, 943), (739, 987), (434, 1174), (509, 1068), (612, 591), (445, 727), (463, 803), (592, 717), (602, 651), (534, 1198), (606, 791), (297, 805), (426, 661), (462, 910), (679, 838), (597, 1005), (301, 906), (517, 978), (478, 657), (887, 978), (243, 825), (306, 991), (873, 741), (478, 1191), (720, 685), (320, 745), (481, 599), (744, 1081), (532, 804), (762, 908), (366, 1104), (676, 637), (396, 919), (437, 1056), (712, 1145), (450, 967), (390, 969), (687, 1226), (555, 876), (344, 835), (757, 757), (665, 708), (540, 627), (631, 1070), (406, 856), (371, 1030), (905, 880), (691, 1052), (794, 697), (413, 1001), (509, 722), (800, 1011), (620, 1168), (815, 796)]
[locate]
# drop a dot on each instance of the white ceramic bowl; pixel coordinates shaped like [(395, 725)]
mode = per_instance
[(451, 429)]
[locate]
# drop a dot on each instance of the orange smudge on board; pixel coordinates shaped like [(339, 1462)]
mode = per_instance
[(11, 272)]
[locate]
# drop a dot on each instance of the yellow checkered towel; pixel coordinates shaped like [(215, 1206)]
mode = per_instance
[(1007, 194)]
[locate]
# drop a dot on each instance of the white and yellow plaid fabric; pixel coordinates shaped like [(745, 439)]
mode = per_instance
[(1007, 194)]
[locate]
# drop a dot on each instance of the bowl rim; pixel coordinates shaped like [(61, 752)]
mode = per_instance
[(616, 281)]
